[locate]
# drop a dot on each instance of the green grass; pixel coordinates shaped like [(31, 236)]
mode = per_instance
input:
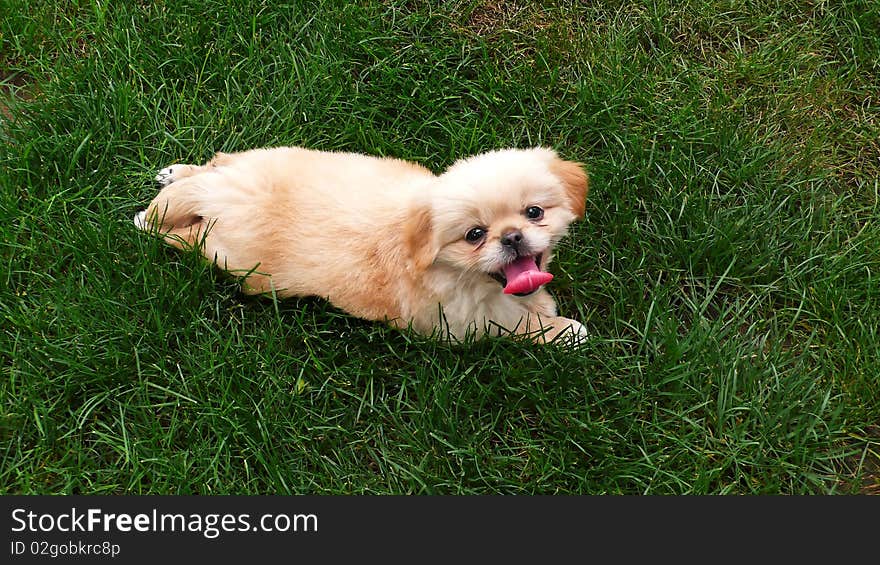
[(727, 268)]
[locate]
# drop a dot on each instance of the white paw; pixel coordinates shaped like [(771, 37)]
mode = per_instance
[(167, 175), (140, 220), (574, 335)]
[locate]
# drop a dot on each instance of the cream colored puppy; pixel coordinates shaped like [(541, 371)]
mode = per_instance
[(461, 253)]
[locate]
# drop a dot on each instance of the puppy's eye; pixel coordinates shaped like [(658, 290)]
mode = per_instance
[(534, 212), (475, 234)]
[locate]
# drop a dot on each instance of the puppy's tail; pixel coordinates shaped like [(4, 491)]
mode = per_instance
[(174, 214)]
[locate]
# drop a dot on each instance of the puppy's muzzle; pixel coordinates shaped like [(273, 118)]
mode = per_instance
[(512, 240)]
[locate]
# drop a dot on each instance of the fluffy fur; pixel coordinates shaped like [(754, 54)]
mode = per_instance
[(381, 238)]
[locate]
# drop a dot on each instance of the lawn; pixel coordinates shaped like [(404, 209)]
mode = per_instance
[(728, 268)]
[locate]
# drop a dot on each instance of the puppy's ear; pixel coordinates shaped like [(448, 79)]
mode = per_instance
[(575, 181), (418, 238)]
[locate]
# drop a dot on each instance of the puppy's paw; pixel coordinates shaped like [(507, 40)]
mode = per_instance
[(140, 220), (169, 174), (569, 333)]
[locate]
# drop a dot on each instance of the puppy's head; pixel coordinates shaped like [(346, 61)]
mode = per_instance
[(498, 216)]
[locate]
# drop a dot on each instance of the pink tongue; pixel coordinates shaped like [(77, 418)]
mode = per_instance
[(524, 276)]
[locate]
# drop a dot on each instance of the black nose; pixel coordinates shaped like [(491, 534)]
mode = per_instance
[(511, 238)]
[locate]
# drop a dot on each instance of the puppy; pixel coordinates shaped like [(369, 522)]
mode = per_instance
[(463, 253)]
